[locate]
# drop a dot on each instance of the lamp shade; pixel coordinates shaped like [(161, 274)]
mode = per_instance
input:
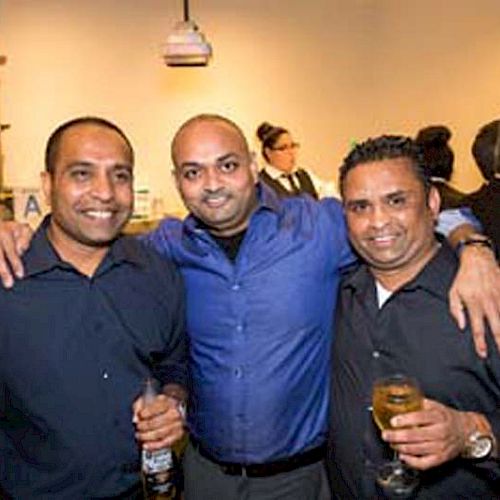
[(187, 46)]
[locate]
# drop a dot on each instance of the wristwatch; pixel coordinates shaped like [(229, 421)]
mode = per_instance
[(480, 443)]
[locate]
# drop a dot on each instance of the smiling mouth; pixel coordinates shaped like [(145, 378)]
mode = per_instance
[(99, 214), (382, 240), (216, 201)]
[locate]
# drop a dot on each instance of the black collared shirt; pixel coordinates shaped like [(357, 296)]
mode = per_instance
[(412, 333), (74, 353)]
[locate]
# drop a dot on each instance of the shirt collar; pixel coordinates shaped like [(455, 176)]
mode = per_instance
[(436, 277), (275, 173), (41, 255)]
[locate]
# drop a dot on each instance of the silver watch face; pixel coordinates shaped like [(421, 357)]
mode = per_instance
[(480, 445)]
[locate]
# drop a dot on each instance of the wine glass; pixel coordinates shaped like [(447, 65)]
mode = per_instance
[(394, 395)]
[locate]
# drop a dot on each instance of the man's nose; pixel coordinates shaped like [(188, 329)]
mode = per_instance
[(379, 216), (212, 179), (102, 187)]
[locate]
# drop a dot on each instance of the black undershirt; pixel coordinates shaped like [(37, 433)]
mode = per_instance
[(230, 244)]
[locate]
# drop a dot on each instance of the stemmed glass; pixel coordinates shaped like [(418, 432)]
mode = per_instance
[(394, 395)]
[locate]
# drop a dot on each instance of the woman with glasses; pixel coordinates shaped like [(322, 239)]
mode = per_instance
[(279, 150)]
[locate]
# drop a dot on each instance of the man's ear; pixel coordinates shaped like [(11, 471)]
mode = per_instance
[(46, 179), (254, 167), (175, 177), (434, 202)]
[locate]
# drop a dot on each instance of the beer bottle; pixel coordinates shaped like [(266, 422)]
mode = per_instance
[(160, 467)]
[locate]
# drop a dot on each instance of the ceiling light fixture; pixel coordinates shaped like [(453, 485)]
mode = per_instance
[(186, 45)]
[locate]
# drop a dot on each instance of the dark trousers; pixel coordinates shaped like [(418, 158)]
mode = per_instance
[(204, 480)]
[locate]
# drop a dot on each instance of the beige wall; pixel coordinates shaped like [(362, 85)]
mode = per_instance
[(330, 70)]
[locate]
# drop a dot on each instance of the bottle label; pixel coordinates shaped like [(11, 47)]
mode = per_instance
[(158, 470), (157, 461)]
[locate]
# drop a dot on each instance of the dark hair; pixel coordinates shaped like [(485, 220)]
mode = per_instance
[(54, 142), (268, 135), (486, 149), (385, 147), (438, 155)]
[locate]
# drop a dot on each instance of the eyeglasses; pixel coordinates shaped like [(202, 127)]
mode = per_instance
[(284, 147)]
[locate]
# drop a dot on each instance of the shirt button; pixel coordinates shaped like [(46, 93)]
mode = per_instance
[(376, 354), (369, 408), (235, 287), (239, 328), (238, 372), (105, 375)]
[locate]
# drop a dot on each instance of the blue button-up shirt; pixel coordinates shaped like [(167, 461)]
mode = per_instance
[(74, 353), (260, 328)]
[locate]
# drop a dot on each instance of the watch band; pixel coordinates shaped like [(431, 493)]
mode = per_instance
[(475, 239)]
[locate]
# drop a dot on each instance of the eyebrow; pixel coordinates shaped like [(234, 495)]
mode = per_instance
[(357, 201), (398, 192), (385, 196), (85, 163), (81, 163), (227, 157), (220, 159)]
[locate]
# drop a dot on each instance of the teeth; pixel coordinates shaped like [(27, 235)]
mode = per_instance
[(97, 214), (216, 201), (382, 239)]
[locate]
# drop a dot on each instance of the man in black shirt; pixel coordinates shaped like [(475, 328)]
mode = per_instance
[(94, 317), (393, 318)]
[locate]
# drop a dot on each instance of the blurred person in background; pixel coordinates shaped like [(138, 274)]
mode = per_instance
[(485, 202), (281, 173), (439, 158)]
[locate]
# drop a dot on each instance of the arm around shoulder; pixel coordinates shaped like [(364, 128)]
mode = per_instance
[(15, 239)]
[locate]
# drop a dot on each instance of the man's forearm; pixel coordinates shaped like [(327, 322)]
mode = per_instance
[(457, 224)]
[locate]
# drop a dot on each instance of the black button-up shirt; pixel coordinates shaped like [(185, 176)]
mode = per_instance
[(412, 333), (74, 353)]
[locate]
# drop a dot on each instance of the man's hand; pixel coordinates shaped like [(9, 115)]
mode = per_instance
[(158, 424), (430, 437), (14, 241), (477, 287)]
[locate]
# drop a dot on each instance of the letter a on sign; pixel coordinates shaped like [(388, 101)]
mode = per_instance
[(32, 206)]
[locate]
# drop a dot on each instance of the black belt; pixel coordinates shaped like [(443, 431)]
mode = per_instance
[(287, 464)]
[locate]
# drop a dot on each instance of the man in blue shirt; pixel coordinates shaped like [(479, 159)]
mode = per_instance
[(261, 277), (94, 316), (258, 343)]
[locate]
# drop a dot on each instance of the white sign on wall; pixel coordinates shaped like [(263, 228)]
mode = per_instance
[(29, 205)]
